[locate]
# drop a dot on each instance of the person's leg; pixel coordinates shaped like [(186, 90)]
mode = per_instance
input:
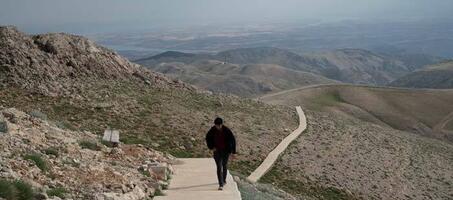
[(225, 157), (218, 163)]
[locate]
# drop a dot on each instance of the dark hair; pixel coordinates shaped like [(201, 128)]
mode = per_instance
[(218, 121)]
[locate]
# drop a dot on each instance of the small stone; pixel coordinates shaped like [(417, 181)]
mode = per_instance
[(3, 127)]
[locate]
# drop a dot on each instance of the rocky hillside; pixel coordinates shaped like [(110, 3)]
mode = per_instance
[(439, 76), (342, 157), (243, 80), (39, 160), (95, 89), (368, 143), (53, 63)]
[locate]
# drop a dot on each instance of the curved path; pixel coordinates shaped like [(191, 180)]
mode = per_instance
[(273, 156), (440, 127), (346, 85), (195, 179)]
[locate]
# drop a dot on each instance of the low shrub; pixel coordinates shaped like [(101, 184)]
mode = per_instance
[(38, 160), (16, 190), (38, 114), (57, 192), (159, 192), (85, 144)]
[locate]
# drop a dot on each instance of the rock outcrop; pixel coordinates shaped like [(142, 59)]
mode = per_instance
[(60, 64), (47, 157)]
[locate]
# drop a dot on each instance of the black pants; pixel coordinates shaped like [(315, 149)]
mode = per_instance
[(221, 161)]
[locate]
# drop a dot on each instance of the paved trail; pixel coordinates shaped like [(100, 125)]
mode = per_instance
[(196, 179), (273, 156)]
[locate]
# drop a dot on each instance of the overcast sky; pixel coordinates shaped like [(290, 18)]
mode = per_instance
[(52, 14)]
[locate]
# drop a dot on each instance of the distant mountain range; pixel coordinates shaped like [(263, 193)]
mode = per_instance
[(345, 65), (243, 80), (439, 76)]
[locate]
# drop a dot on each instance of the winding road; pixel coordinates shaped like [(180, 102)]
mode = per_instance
[(273, 156)]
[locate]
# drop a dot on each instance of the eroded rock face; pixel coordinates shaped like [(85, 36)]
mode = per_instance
[(86, 173), (59, 64)]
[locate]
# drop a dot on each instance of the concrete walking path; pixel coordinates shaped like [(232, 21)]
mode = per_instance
[(196, 179), (273, 156)]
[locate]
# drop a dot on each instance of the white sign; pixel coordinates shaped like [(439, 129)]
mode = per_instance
[(111, 136)]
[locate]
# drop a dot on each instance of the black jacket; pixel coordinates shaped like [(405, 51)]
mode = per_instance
[(231, 141)]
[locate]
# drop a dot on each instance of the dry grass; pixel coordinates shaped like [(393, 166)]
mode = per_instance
[(417, 111)]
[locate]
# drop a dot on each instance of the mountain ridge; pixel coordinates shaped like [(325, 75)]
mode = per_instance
[(438, 76), (346, 65)]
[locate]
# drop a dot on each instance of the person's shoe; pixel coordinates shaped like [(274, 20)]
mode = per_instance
[(224, 182), (220, 188)]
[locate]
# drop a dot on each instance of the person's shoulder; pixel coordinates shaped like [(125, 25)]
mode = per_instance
[(226, 128), (211, 129)]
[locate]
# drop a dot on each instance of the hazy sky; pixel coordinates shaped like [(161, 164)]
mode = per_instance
[(51, 14)]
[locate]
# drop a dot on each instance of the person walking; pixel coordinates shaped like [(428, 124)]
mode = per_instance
[(220, 140)]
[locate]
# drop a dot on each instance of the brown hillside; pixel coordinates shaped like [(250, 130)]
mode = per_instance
[(438, 76), (418, 111), (352, 146), (243, 80)]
